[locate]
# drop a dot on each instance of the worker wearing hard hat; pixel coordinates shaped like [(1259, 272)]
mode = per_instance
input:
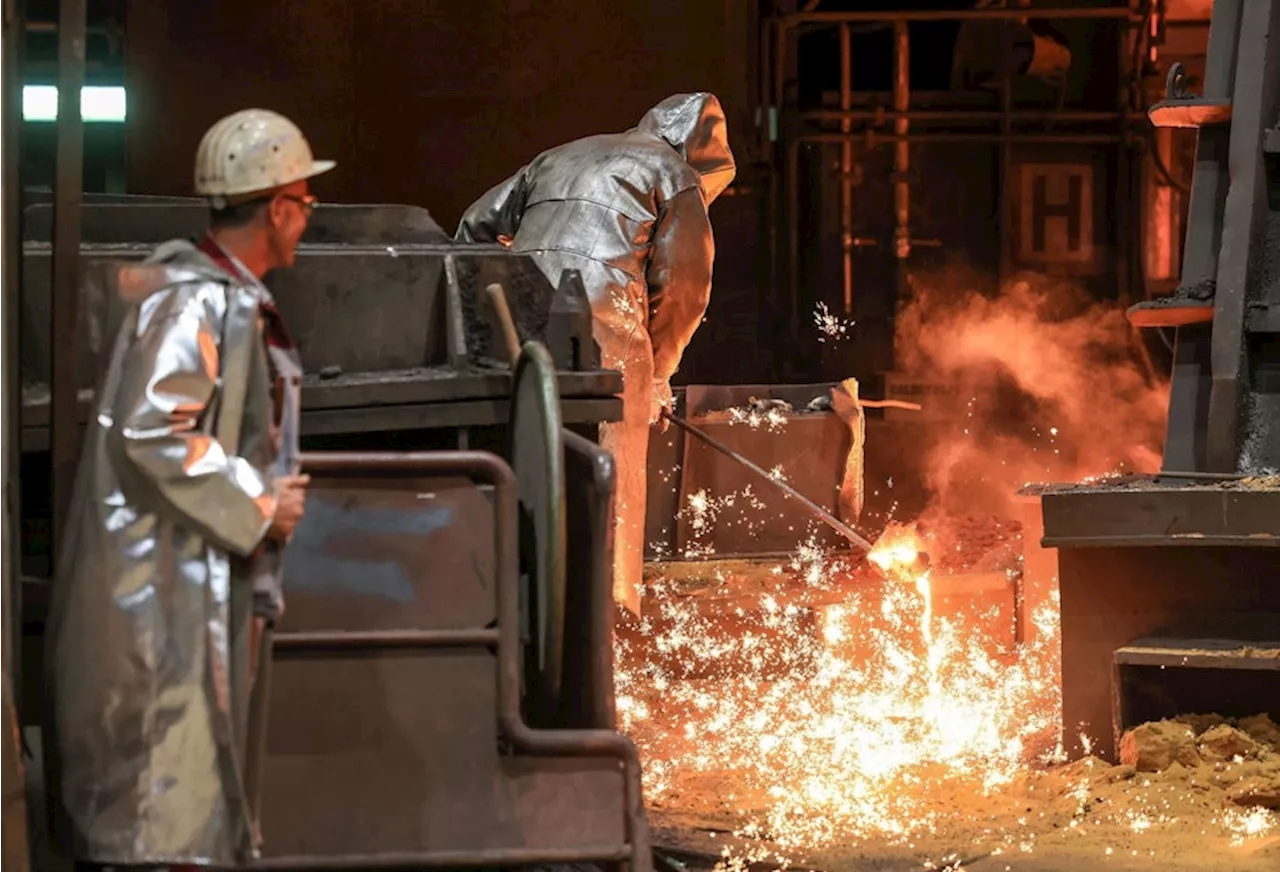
[(187, 493), (629, 212)]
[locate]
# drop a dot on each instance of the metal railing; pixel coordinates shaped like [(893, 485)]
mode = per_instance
[(778, 117)]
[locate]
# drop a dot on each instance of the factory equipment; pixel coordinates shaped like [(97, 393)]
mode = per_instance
[(1169, 591)]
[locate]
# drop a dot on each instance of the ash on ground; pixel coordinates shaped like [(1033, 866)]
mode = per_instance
[(1194, 795)]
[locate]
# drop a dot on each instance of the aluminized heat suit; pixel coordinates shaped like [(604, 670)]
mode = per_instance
[(629, 212), (150, 622)]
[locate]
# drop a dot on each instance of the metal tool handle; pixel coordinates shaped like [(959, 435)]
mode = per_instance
[(816, 510), (506, 324), (261, 646)]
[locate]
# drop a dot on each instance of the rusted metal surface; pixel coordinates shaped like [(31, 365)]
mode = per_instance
[(394, 694), (1155, 515)]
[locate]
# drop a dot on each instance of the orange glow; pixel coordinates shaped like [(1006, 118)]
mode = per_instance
[(836, 704)]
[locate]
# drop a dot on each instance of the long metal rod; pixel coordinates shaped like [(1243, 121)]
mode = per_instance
[(772, 218), (67, 190), (791, 183), (366, 639), (491, 470), (1122, 204), (1189, 391), (816, 510), (10, 391), (14, 850), (902, 147), (1048, 115), (450, 859), (1015, 13), (846, 166), (1004, 209)]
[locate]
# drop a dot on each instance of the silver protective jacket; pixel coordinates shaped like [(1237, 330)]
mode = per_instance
[(149, 623), (628, 211)]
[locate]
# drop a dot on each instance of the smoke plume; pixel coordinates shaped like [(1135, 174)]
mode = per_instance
[(1049, 385)]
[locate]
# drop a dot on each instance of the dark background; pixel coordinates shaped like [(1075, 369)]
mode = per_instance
[(431, 102)]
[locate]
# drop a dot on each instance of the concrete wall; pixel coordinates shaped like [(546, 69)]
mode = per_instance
[(427, 102)]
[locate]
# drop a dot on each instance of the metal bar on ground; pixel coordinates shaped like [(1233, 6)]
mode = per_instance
[(68, 185), (449, 859), (385, 639)]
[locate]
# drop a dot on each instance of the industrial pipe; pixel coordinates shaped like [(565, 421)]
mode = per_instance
[(902, 148), (787, 23), (958, 115), (846, 166), (68, 184), (1017, 13)]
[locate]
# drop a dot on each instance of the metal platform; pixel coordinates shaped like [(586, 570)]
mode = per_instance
[(1141, 560), (1158, 678)]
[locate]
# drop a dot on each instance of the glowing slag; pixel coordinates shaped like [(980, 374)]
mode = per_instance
[(831, 718)]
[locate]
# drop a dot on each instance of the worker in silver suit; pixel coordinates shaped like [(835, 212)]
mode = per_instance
[(186, 495), (629, 212)]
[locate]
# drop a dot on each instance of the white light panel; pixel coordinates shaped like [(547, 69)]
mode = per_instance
[(97, 103)]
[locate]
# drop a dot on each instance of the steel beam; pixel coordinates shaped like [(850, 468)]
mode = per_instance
[(1189, 394), (68, 187), (1244, 227), (10, 287), (16, 852)]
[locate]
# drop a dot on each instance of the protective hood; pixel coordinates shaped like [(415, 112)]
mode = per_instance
[(694, 125)]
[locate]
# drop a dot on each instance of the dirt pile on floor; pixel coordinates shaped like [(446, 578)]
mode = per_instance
[(1241, 758)]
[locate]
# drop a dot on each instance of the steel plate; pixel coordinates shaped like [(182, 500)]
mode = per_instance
[(537, 458)]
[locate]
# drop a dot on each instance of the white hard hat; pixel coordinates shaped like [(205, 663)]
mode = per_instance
[(253, 150)]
